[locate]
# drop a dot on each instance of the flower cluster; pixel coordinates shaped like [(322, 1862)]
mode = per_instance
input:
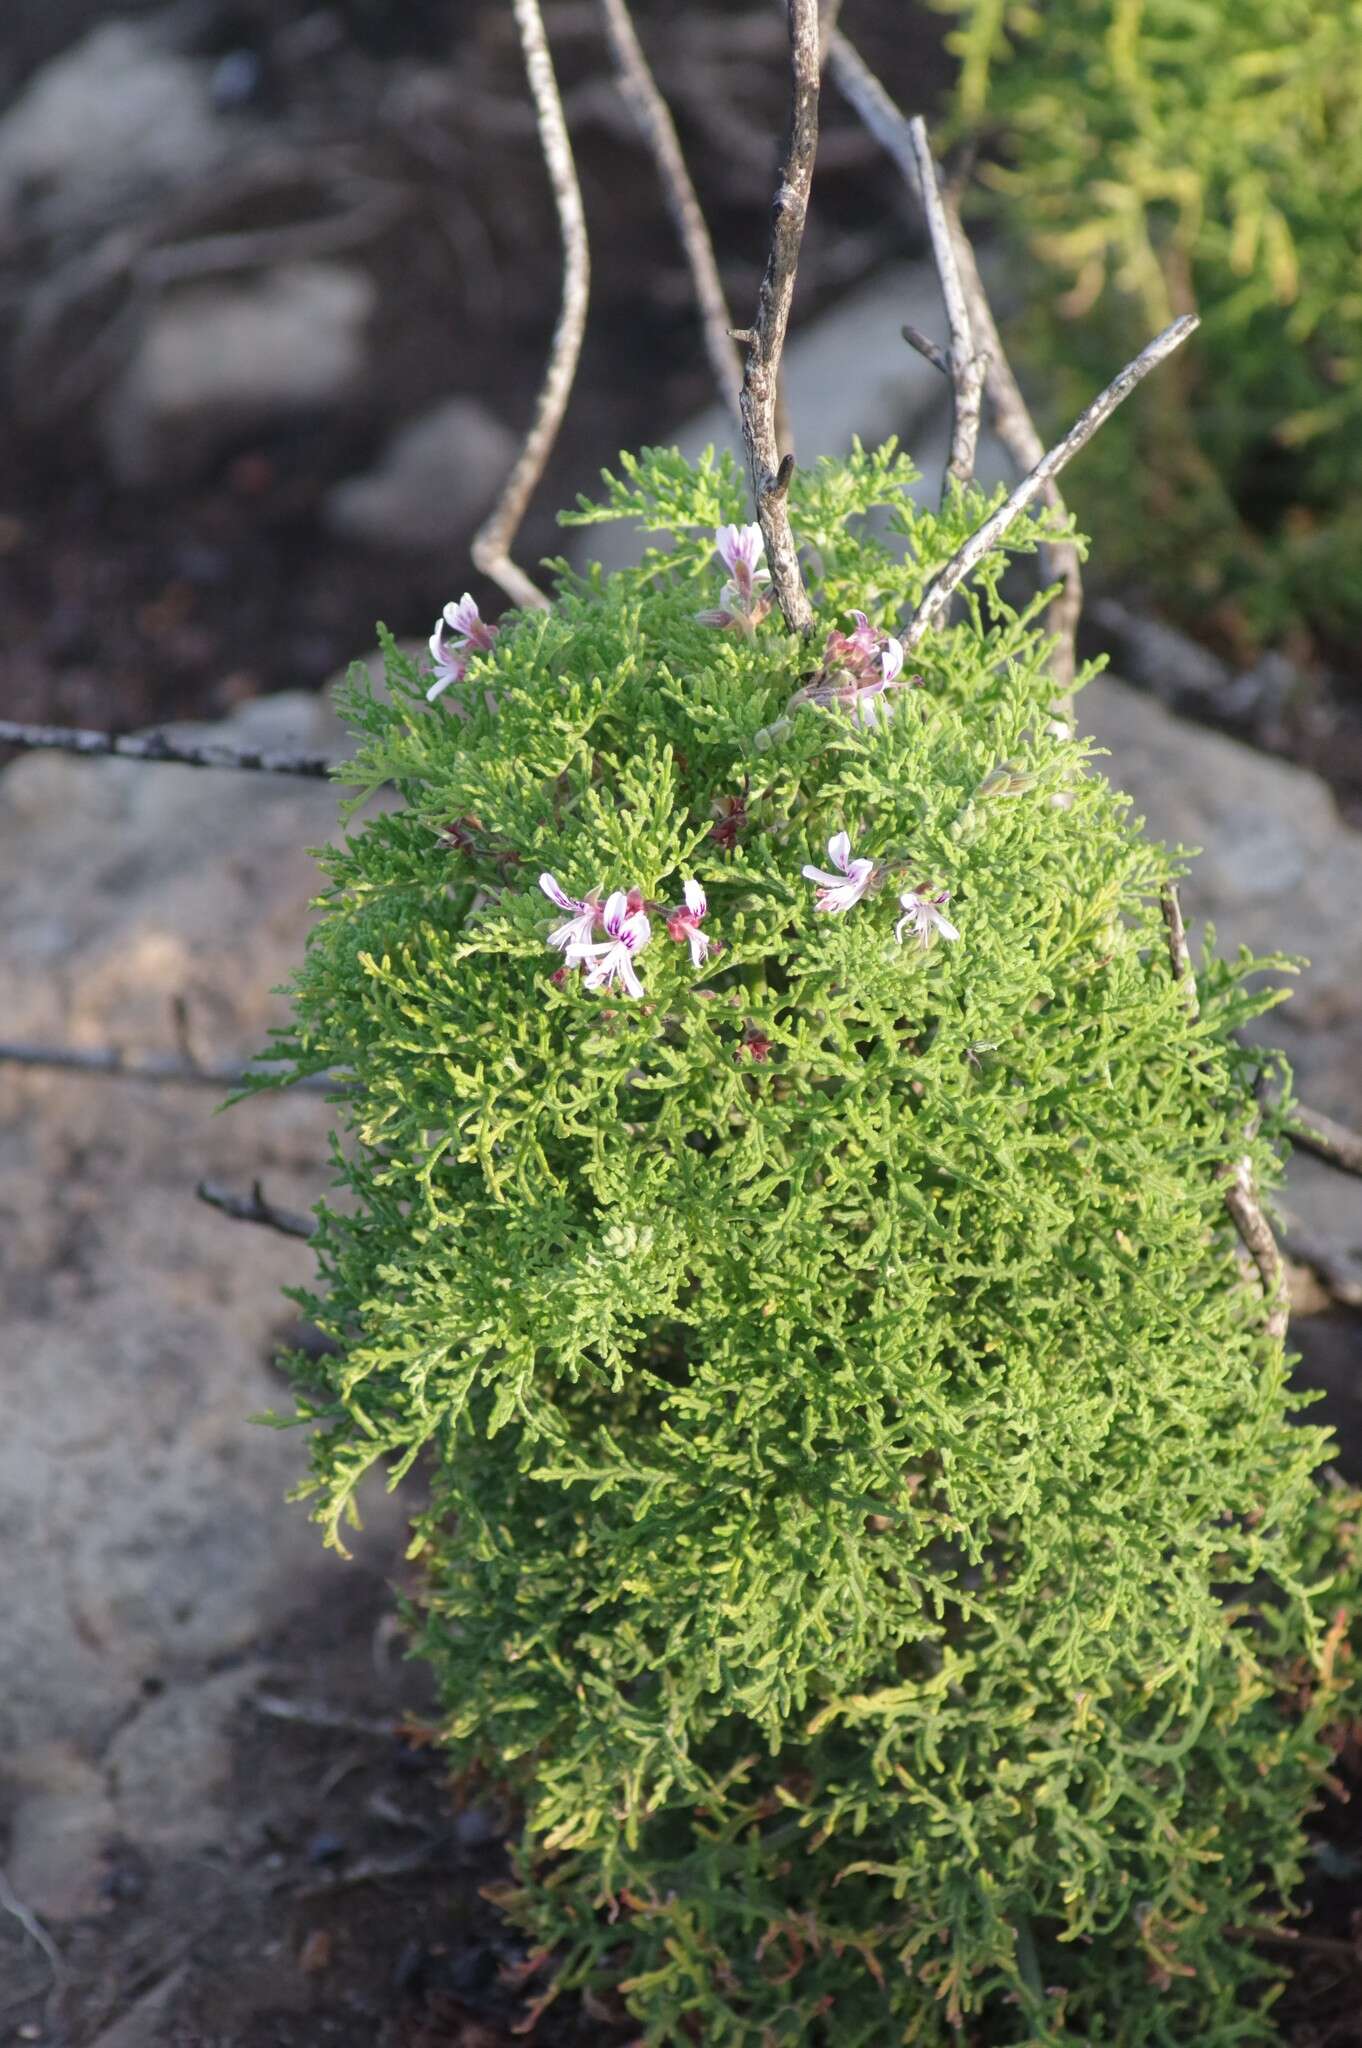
[(858, 669), (923, 910), (623, 917), (470, 632)]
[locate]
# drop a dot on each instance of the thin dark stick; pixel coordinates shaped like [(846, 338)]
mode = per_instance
[(1179, 957), (925, 346), (492, 543), (947, 580), (967, 365), (766, 341), (1016, 429), (254, 1208), (157, 746), (158, 1067), (1320, 1134), (651, 112), (1241, 1193)]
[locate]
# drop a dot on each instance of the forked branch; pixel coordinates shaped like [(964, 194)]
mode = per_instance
[(967, 365), (1016, 429), (651, 112), (948, 579), (493, 542), (766, 341)]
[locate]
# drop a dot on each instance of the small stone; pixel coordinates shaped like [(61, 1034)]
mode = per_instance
[(61, 1823), (116, 116), (218, 361), (438, 475)]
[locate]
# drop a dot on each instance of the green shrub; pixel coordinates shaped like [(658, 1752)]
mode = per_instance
[(1161, 155), (865, 1527)]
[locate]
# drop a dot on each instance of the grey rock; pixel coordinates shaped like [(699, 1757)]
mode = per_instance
[(437, 477), (168, 1768), (215, 361), (1279, 872), (61, 1823), (115, 117), (139, 1325)]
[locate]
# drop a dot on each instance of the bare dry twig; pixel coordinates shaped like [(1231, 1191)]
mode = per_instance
[(1018, 434), (318, 1714), (254, 1208), (1241, 1199), (654, 118), (157, 746), (967, 365), (493, 541), (947, 580), (1016, 429), (157, 1067), (765, 342)]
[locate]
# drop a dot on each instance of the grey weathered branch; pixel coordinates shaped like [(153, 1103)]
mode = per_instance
[(967, 364), (1320, 1134), (765, 342), (254, 1208), (493, 542), (1016, 429), (157, 1067), (157, 746), (985, 537), (1018, 433), (654, 118)]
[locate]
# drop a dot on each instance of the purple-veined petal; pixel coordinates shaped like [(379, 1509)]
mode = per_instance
[(557, 894), (839, 851)]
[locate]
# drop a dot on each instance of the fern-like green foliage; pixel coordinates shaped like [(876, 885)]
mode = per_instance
[(865, 1525), (1163, 154)]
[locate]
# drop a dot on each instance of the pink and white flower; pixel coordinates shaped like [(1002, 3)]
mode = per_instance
[(613, 961), (685, 924), (924, 916), (574, 940), (471, 633), (848, 886), (740, 603)]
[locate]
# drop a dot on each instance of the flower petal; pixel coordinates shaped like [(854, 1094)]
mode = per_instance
[(696, 902), (839, 851), (556, 894)]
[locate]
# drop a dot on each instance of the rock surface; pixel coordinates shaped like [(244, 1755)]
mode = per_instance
[(215, 361), (436, 478), (157, 1544)]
